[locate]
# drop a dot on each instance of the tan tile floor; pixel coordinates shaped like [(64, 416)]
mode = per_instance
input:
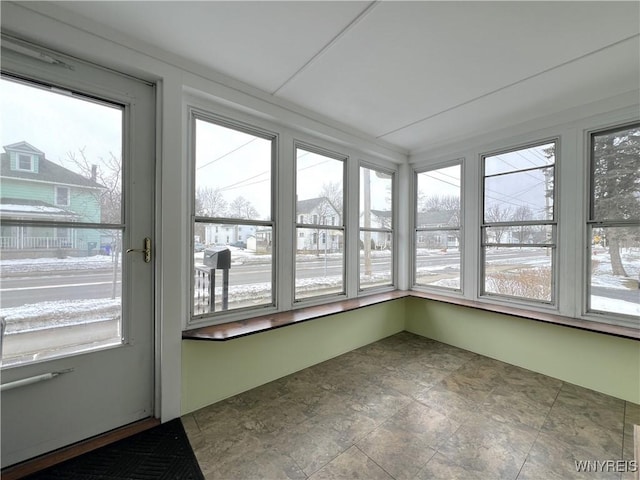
[(407, 407)]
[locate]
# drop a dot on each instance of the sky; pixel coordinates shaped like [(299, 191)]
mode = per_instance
[(57, 124)]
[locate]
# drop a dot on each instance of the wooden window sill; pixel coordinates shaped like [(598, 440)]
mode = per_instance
[(251, 326), (241, 328)]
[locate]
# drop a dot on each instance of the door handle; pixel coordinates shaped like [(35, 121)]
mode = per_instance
[(146, 250)]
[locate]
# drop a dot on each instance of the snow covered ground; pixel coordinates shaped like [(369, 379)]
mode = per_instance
[(42, 314)]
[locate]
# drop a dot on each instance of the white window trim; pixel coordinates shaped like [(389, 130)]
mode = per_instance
[(284, 233), (32, 164), (393, 230), (458, 292), (572, 196)]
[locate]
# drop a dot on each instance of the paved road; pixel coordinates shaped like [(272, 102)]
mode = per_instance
[(16, 291)]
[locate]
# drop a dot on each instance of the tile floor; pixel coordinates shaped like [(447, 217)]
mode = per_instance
[(407, 407)]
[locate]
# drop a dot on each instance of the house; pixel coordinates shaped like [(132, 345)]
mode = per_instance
[(485, 88), (438, 238), (317, 212), (35, 188)]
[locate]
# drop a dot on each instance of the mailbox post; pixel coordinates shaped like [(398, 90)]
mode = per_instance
[(218, 258)]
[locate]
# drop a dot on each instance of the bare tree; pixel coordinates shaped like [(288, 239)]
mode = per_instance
[(497, 213), (240, 207), (210, 202), (332, 191), (107, 173)]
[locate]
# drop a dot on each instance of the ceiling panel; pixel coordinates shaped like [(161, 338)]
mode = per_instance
[(259, 43), (407, 61), (410, 73)]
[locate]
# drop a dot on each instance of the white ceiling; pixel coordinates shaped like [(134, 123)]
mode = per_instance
[(412, 74)]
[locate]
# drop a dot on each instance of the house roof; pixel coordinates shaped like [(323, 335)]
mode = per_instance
[(311, 204), (433, 218), (35, 208), (48, 171)]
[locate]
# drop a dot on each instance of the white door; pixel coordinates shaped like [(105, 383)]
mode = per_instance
[(77, 186)]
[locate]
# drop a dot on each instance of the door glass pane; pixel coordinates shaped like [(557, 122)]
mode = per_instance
[(61, 291), (615, 271), (61, 164)]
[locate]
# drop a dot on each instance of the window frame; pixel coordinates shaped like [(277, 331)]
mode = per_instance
[(415, 231), (59, 188), (392, 230), (342, 226), (554, 245), (195, 113), (591, 222), (32, 163)]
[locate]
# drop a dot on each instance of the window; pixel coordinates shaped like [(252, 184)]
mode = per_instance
[(62, 196), (233, 166), (438, 233), (376, 228), (319, 265), (519, 224), (25, 162), (614, 224)]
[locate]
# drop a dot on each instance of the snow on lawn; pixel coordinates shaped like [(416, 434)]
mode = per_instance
[(37, 316), (38, 265), (602, 275), (604, 304)]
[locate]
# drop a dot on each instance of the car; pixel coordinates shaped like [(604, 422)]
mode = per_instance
[(242, 245), (198, 247)]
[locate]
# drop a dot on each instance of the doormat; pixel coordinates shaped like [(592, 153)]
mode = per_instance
[(160, 453)]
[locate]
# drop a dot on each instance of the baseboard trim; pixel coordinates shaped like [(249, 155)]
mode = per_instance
[(28, 467)]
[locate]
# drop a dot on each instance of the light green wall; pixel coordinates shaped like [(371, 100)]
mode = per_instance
[(600, 362), (212, 371)]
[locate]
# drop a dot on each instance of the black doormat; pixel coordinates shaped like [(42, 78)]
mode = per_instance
[(160, 453)]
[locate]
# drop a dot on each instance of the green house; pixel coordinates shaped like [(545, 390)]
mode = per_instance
[(34, 188)]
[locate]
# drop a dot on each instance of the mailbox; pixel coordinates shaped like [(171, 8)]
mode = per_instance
[(217, 258)]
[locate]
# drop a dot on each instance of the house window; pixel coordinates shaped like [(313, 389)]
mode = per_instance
[(519, 224), (319, 266), (438, 233), (62, 197), (614, 225), (25, 162), (376, 228), (232, 177)]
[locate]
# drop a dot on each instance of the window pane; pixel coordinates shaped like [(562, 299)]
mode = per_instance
[(376, 261), (61, 163), (615, 271), (319, 188), (524, 272), (616, 175), (59, 149), (319, 251), (521, 196), (232, 173), (319, 262), (438, 258), (438, 202), (521, 234), (242, 254), (536, 156), (61, 291), (375, 199)]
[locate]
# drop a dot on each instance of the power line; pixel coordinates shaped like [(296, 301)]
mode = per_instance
[(226, 154)]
